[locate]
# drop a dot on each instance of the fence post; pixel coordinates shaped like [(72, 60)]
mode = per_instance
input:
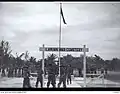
[(103, 79), (84, 65), (43, 63)]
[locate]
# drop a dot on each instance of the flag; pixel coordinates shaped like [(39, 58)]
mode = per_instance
[(62, 15)]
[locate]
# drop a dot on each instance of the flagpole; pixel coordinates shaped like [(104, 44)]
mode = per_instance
[(59, 39)]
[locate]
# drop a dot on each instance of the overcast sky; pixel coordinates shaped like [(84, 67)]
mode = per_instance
[(29, 25)]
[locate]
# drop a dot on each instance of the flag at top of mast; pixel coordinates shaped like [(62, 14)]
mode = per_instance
[(61, 12)]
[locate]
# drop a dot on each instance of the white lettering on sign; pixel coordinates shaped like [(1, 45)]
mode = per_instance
[(64, 49)]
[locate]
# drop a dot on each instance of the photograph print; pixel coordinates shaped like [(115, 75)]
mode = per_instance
[(59, 44)]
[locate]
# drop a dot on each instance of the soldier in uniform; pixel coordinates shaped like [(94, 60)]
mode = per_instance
[(10, 71), (26, 81), (102, 71), (22, 71), (15, 71), (63, 75), (39, 77), (106, 70), (51, 76), (19, 72), (69, 72)]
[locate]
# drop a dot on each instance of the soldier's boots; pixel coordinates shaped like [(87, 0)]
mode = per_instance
[(48, 84), (58, 85)]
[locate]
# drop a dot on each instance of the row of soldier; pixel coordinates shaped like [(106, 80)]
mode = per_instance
[(65, 75), (11, 72)]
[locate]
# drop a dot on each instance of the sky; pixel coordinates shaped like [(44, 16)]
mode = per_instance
[(29, 25)]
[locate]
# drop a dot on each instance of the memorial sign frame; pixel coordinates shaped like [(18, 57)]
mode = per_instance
[(84, 50)]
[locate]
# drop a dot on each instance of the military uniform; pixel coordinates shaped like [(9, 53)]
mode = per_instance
[(39, 78), (69, 72), (3, 72), (19, 72), (10, 72), (51, 76), (63, 75), (26, 81), (15, 72), (106, 71), (102, 71)]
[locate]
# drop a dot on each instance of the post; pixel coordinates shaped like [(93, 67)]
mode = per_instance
[(84, 65), (59, 40), (43, 50), (103, 80)]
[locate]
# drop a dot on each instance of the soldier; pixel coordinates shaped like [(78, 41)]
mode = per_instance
[(63, 75), (15, 71), (106, 70), (19, 72), (51, 76), (39, 77), (102, 71), (22, 71), (26, 81), (10, 71), (69, 72), (3, 72)]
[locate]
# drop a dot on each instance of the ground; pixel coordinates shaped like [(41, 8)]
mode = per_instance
[(111, 80), (77, 82)]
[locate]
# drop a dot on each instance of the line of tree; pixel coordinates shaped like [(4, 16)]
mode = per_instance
[(15, 63)]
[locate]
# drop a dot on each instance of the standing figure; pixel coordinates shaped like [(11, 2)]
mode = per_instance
[(69, 72), (26, 81), (102, 71), (39, 77), (10, 71), (106, 71), (63, 75), (3, 72), (51, 76), (22, 71), (15, 71), (19, 72)]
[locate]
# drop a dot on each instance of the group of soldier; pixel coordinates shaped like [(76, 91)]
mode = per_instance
[(65, 76), (11, 72)]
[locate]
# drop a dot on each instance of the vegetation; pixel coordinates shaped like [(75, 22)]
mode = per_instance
[(7, 60)]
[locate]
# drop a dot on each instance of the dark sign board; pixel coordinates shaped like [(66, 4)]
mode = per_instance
[(63, 49)]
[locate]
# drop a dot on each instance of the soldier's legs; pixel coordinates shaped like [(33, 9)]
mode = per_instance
[(41, 82), (49, 80), (25, 83), (29, 83), (15, 73), (64, 83), (70, 80), (37, 82), (12, 73), (60, 81), (53, 81)]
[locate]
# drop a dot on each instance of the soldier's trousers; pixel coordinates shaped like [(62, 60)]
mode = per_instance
[(26, 83), (51, 79), (69, 79), (41, 82), (62, 80)]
